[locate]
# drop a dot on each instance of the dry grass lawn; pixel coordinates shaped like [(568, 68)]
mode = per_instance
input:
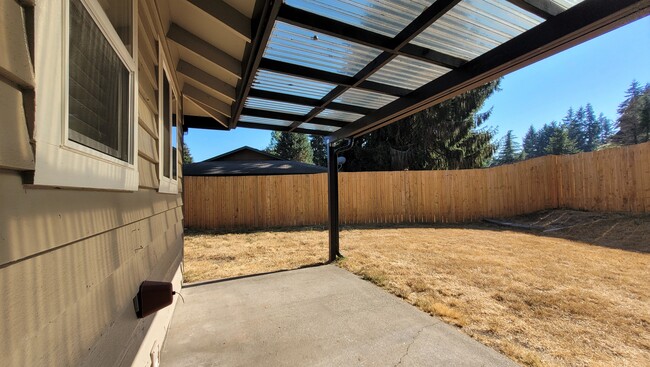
[(540, 300)]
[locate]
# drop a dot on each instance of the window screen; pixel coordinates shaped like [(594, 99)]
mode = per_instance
[(98, 88)]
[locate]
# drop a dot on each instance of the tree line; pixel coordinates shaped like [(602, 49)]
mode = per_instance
[(582, 131), (453, 135)]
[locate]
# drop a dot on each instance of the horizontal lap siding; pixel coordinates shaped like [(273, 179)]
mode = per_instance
[(71, 261), (16, 76), (609, 180)]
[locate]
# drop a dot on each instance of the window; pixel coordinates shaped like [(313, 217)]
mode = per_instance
[(87, 77), (168, 134)]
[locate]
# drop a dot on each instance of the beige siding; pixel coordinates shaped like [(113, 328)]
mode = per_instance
[(16, 74), (15, 61), (15, 150), (71, 261)]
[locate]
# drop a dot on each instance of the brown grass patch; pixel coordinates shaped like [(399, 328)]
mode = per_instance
[(213, 255), (541, 300)]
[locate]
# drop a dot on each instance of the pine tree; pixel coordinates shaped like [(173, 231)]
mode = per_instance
[(592, 129), (559, 142), (575, 127), (632, 123), (510, 151), (544, 138), (319, 150), (606, 129), (185, 153), (291, 146), (530, 143), (445, 136)]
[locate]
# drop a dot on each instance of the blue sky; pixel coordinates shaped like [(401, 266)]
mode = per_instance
[(597, 72)]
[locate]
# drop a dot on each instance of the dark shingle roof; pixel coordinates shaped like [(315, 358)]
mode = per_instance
[(250, 168), (226, 156)]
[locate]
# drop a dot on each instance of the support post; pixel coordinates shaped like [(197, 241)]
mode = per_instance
[(333, 201)]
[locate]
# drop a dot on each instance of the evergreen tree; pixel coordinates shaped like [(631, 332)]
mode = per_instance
[(185, 153), (575, 127), (592, 129), (290, 146), (319, 150), (559, 142), (530, 143), (510, 151), (544, 137), (445, 136), (633, 120), (606, 129)]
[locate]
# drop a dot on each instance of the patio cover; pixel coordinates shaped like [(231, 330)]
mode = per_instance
[(343, 68)]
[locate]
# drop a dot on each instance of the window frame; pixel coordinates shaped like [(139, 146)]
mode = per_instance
[(167, 185), (59, 161)]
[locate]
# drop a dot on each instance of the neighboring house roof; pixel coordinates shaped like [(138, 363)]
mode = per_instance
[(244, 153), (250, 168)]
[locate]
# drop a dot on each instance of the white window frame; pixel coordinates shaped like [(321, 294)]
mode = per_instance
[(167, 185), (60, 162)]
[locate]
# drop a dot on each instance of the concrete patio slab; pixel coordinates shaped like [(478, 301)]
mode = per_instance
[(321, 316)]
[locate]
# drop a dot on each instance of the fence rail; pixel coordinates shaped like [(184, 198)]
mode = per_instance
[(609, 180)]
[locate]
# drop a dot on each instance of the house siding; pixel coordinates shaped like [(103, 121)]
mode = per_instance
[(71, 260)]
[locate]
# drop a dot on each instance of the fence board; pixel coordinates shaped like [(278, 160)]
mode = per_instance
[(610, 180)]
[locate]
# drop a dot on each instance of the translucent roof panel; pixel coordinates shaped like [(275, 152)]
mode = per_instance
[(387, 17), (364, 98), (262, 120), (265, 104), (474, 27), (303, 47), (282, 83), (318, 127), (407, 73), (339, 115), (566, 4)]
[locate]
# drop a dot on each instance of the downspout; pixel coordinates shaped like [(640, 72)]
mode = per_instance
[(333, 194)]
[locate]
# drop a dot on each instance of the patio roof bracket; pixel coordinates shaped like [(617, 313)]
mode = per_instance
[(333, 149)]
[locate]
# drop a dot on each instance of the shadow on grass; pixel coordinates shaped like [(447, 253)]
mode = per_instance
[(213, 281)]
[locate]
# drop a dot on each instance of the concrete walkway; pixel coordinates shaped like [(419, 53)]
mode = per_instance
[(321, 316)]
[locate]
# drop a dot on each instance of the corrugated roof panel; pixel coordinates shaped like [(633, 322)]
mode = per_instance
[(282, 83), (262, 120), (566, 4), (301, 46), (310, 126), (364, 98), (387, 17), (474, 27), (265, 104), (339, 115), (408, 73)]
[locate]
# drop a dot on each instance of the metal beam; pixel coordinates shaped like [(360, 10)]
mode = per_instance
[(204, 49), (321, 24), (332, 78), (306, 101), (333, 202), (251, 125), (227, 15), (254, 52), (219, 86), (569, 28), (199, 95), (290, 117), (545, 9)]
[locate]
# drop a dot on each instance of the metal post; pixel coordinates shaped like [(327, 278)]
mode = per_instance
[(333, 201)]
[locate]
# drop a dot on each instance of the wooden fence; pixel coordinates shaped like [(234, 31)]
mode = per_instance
[(609, 180)]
